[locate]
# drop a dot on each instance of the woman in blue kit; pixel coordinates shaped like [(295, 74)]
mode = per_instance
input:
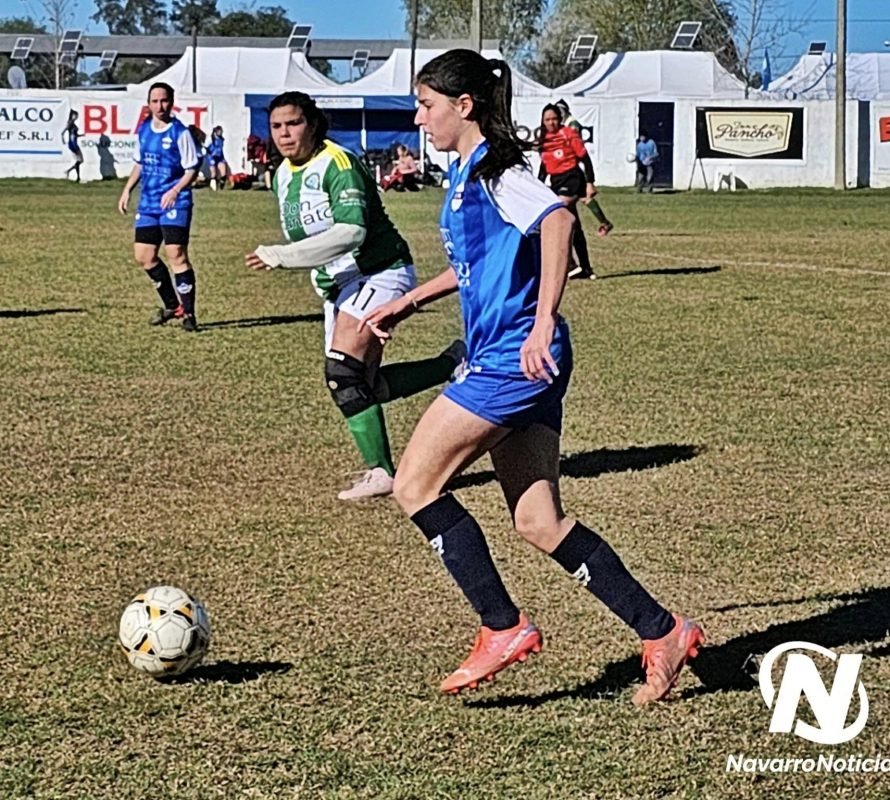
[(507, 239), (70, 135), (166, 165)]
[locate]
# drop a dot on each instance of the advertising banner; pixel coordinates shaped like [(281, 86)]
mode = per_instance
[(750, 133), (32, 127)]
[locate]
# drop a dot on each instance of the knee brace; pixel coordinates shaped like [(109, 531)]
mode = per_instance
[(347, 381)]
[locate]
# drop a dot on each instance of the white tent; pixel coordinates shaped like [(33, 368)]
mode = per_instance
[(669, 74), (394, 77), (814, 78), (240, 70)]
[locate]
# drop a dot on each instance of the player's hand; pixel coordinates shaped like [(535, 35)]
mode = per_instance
[(253, 261), (534, 355), (123, 202), (169, 198), (591, 193), (384, 318)]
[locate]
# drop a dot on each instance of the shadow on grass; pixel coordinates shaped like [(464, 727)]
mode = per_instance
[(864, 618), (232, 672), (38, 312), (260, 322), (600, 462), (661, 271)]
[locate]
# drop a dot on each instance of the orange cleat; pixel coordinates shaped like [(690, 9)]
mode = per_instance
[(664, 658), (493, 651)]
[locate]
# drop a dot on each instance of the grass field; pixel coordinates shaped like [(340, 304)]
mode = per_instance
[(727, 431)]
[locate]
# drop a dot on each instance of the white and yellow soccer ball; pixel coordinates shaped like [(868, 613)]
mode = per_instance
[(164, 631)]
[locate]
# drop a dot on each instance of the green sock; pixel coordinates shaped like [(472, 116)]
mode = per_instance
[(411, 377), (368, 428), (597, 211)]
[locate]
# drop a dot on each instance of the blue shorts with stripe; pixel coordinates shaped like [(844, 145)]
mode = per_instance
[(513, 401)]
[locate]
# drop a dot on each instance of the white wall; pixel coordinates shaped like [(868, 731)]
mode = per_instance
[(32, 121), (880, 151)]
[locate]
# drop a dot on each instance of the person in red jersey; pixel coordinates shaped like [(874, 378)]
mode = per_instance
[(563, 156)]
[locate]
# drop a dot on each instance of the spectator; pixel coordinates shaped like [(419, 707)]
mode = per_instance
[(647, 155), (404, 172)]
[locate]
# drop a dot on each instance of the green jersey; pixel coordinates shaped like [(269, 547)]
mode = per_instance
[(334, 186)]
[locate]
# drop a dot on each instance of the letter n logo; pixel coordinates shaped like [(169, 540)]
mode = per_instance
[(801, 678)]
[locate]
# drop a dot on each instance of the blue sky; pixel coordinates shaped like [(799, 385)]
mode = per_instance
[(869, 20)]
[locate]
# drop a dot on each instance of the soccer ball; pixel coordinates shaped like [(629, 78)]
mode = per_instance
[(631, 157), (164, 631)]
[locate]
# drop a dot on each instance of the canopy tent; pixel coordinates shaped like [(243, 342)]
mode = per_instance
[(237, 70), (814, 78), (394, 76), (650, 74)]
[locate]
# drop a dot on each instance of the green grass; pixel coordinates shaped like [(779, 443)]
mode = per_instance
[(726, 430)]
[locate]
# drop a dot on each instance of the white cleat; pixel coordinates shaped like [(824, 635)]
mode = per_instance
[(376, 482)]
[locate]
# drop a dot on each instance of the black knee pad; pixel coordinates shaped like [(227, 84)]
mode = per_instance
[(347, 380)]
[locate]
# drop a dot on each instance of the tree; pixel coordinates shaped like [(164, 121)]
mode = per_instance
[(267, 21), (624, 25), (199, 15), (514, 23), (132, 17), (39, 66), (754, 26)]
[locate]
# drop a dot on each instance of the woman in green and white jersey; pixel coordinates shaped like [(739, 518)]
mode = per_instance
[(336, 226)]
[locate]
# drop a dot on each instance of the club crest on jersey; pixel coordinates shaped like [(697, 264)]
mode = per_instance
[(313, 181), (457, 198), (166, 143)]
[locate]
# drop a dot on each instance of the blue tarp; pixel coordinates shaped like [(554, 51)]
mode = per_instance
[(388, 120)]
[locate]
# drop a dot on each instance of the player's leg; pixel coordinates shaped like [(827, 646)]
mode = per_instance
[(213, 172), (448, 438), (148, 239), (176, 227), (527, 466), (223, 174), (579, 241)]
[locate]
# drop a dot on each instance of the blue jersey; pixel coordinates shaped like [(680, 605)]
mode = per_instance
[(215, 150), (490, 233), (165, 155)]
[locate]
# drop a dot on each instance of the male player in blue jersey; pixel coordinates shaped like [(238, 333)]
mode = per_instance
[(167, 164)]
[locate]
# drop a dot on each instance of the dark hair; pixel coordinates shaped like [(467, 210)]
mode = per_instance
[(165, 86), (542, 131), (315, 118), (488, 82), (563, 105)]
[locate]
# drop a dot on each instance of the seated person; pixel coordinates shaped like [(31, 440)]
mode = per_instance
[(404, 172)]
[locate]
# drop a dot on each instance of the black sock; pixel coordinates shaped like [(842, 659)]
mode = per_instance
[(579, 243), (597, 211), (588, 558), (185, 287), (159, 275), (457, 537)]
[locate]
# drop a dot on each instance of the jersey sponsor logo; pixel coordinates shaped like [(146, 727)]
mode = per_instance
[(305, 214), (457, 199)]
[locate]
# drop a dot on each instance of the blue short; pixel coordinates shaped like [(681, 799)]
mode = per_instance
[(513, 401), (172, 227)]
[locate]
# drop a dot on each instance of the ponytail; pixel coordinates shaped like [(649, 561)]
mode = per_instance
[(489, 83)]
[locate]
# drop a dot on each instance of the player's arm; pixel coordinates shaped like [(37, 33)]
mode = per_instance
[(346, 189), (384, 318), (188, 158), (124, 200), (322, 248)]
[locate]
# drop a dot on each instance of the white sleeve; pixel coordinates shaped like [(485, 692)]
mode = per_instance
[(313, 251), (137, 155), (188, 155), (521, 199)]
